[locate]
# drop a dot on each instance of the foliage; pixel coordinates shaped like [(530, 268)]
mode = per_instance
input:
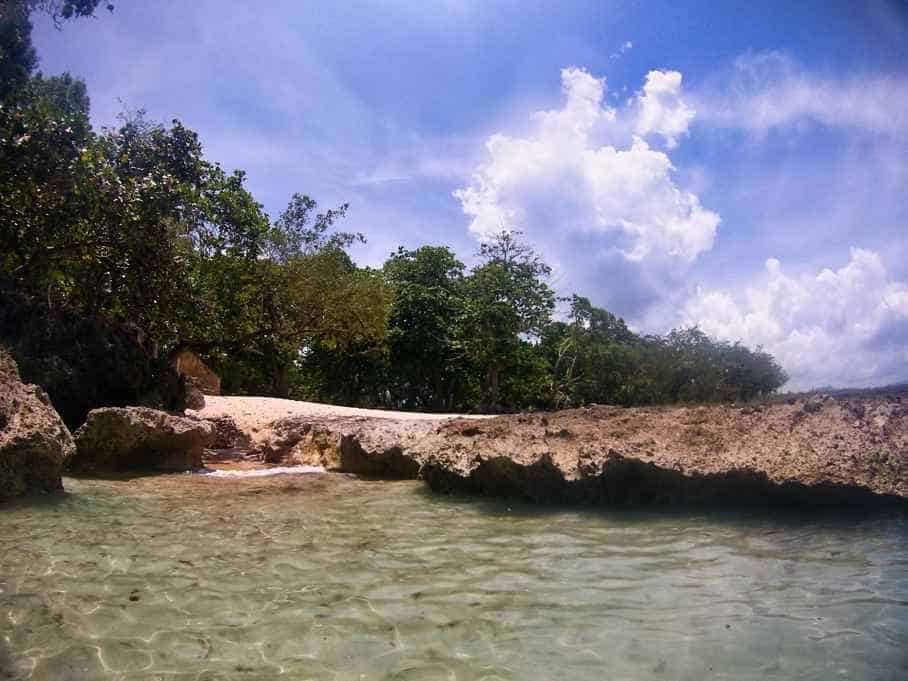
[(17, 54), (82, 362), (68, 9), (508, 302), (132, 229), (430, 370)]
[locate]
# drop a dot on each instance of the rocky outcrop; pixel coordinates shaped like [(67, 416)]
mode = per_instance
[(190, 365), (840, 450), (34, 441), (817, 451), (140, 439), (195, 398), (362, 445), (227, 434), (84, 362)]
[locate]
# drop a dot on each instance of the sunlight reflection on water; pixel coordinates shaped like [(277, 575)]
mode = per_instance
[(327, 577), (261, 472)]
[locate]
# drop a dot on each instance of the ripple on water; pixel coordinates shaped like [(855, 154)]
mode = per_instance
[(324, 577)]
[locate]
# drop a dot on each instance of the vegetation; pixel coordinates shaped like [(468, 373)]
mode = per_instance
[(133, 229)]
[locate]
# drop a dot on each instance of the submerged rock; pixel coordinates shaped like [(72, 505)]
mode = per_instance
[(795, 453), (138, 438), (34, 441)]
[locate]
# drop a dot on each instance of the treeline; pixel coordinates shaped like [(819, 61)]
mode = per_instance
[(132, 226)]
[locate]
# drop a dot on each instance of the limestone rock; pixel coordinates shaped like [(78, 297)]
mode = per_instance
[(34, 441), (189, 364), (195, 398), (227, 434), (363, 445), (710, 454), (842, 450), (138, 438)]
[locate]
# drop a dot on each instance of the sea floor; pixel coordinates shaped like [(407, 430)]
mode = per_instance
[(324, 576)]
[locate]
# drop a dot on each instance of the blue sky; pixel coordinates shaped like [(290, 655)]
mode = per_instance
[(741, 166)]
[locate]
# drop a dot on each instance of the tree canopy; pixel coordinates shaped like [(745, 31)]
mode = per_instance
[(134, 227)]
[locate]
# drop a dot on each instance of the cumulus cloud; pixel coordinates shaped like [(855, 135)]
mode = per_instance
[(662, 111), (770, 90), (834, 327), (588, 204)]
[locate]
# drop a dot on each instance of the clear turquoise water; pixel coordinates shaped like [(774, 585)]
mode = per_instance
[(324, 577)]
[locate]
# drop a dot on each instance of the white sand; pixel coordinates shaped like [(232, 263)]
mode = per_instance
[(253, 414)]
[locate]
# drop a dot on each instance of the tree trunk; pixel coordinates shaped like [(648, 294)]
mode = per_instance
[(280, 381), (491, 390)]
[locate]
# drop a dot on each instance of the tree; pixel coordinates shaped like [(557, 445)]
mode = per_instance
[(507, 303), (17, 54), (312, 292), (429, 368), (131, 230), (297, 232), (68, 9), (44, 136), (593, 356)]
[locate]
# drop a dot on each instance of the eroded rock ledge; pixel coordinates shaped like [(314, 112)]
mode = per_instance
[(350, 444), (120, 439), (819, 450)]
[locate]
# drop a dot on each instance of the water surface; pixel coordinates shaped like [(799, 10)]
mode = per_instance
[(326, 577)]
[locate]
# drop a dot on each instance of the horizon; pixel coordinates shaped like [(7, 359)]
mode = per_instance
[(741, 170)]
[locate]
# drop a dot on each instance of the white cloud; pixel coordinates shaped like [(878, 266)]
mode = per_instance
[(842, 327), (662, 111), (560, 186), (771, 90)]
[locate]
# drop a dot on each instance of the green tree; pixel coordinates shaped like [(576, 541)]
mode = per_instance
[(67, 9), (429, 368), (18, 59), (134, 231), (312, 292), (45, 138), (593, 356), (17, 54), (507, 304)]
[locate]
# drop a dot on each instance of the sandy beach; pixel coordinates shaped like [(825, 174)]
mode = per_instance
[(253, 415)]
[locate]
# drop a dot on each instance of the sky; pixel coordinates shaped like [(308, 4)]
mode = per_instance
[(739, 166)]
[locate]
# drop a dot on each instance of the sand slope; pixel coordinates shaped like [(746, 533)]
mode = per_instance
[(254, 415)]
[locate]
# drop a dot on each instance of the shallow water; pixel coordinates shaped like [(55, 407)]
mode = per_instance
[(325, 577)]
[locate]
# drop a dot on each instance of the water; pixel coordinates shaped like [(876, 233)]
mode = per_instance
[(262, 472), (326, 577)]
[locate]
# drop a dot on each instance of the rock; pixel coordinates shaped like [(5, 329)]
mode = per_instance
[(772, 453), (189, 364), (138, 438), (227, 435), (84, 362), (34, 441), (362, 445), (668, 455), (814, 405), (195, 398)]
